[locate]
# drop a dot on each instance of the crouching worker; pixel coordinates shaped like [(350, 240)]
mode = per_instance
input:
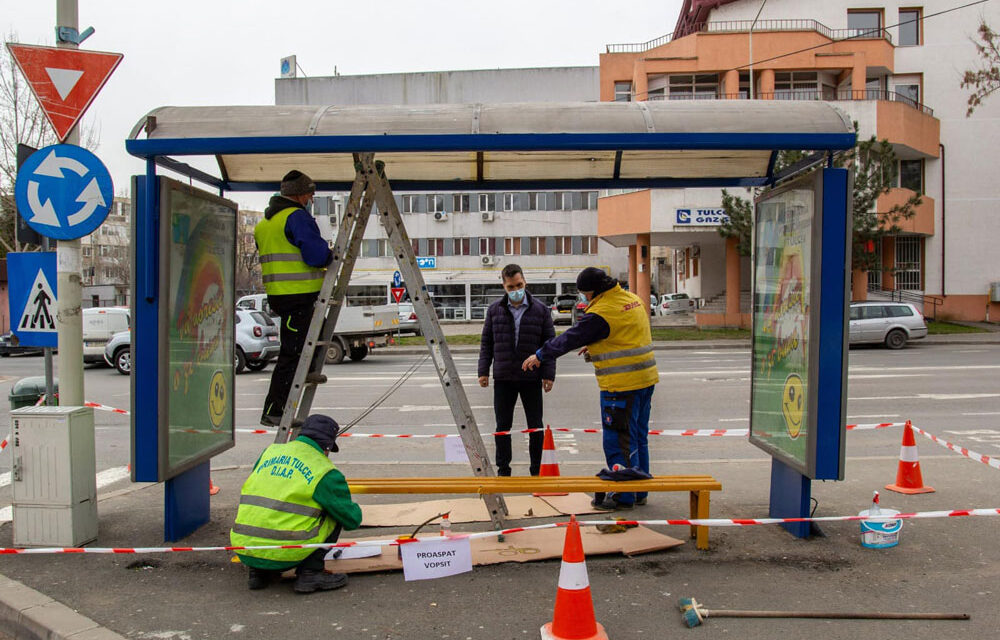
[(295, 495)]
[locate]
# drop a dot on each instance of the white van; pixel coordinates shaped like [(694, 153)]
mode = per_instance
[(99, 324)]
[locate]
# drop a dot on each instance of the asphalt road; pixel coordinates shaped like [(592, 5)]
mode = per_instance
[(946, 389)]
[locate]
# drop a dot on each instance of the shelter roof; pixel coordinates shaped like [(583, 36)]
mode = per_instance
[(496, 146)]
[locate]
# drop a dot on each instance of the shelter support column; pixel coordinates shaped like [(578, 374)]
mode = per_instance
[(642, 284), (732, 283), (633, 252)]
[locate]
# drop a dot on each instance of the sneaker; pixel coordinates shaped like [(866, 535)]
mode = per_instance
[(316, 378), (270, 420), (640, 502), (608, 503), (309, 580), (259, 578)]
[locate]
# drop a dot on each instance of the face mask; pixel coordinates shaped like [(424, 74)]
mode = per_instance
[(309, 205), (516, 295)]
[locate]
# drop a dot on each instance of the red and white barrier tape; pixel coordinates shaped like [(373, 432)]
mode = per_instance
[(704, 522), (3, 443), (104, 407), (968, 453)]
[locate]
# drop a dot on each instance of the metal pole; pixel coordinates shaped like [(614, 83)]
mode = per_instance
[(69, 321), (752, 25), (50, 398)]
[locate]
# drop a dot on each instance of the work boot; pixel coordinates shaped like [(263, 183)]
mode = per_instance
[(608, 503), (316, 378), (640, 502), (259, 578), (270, 420), (309, 580)]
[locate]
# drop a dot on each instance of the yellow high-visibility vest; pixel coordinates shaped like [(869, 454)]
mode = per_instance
[(623, 361), (281, 266)]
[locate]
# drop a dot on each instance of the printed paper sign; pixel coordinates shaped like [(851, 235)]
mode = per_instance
[(436, 559), (454, 451)]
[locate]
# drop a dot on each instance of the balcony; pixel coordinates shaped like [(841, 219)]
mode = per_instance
[(922, 221), (808, 94), (762, 26)]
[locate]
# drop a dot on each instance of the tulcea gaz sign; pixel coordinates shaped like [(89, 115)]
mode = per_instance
[(693, 217)]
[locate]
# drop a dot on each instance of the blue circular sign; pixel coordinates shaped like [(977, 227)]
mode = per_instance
[(64, 192)]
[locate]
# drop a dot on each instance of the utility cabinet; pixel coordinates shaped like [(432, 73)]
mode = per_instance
[(53, 476)]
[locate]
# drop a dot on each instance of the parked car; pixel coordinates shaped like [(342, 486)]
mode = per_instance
[(258, 302), (9, 346), (563, 308), (671, 303), (99, 325), (257, 341), (652, 304), (891, 323), (408, 322), (118, 352)]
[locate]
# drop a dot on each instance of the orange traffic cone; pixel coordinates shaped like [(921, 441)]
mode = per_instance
[(573, 618), (212, 487), (908, 477), (549, 466)]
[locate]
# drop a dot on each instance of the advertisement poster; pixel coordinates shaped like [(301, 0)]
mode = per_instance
[(200, 240), (780, 383)]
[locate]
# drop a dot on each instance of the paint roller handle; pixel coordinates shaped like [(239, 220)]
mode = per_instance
[(876, 615)]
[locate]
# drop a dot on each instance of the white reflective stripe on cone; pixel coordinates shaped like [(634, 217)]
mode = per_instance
[(908, 454), (573, 576), (549, 457)]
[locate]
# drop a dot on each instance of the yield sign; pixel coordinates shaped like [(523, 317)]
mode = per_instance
[(65, 81), (397, 293)]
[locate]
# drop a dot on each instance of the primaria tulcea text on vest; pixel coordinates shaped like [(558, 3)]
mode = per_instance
[(284, 466)]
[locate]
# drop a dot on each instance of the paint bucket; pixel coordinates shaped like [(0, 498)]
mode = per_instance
[(880, 534)]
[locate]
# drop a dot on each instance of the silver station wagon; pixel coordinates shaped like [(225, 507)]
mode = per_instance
[(891, 323)]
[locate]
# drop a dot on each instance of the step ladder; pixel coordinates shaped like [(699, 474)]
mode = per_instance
[(371, 187)]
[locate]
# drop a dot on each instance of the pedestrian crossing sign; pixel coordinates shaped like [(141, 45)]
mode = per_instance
[(32, 298)]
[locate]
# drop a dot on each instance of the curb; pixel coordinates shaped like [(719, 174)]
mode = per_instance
[(33, 615)]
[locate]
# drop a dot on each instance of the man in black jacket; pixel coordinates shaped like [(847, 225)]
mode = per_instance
[(516, 326)]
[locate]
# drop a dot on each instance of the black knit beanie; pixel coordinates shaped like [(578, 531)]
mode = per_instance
[(594, 279), (296, 183), (322, 430)]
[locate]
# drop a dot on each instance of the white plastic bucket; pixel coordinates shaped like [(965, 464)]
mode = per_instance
[(880, 534)]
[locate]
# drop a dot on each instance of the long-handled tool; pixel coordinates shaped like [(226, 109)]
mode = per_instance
[(695, 613)]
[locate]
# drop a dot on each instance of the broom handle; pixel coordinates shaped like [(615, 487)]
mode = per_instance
[(736, 613)]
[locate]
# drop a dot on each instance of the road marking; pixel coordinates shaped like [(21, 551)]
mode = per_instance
[(979, 413), (4, 479), (733, 419), (874, 415), (933, 396)]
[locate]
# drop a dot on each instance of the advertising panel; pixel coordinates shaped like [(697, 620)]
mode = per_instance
[(801, 268), (197, 273)]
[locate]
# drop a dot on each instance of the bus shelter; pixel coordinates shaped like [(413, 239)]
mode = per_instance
[(184, 249)]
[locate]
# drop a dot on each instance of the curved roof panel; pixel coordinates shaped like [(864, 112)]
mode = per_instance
[(601, 144)]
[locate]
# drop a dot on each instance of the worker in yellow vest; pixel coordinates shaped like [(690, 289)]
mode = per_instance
[(293, 257), (613, 333), (295, 496)]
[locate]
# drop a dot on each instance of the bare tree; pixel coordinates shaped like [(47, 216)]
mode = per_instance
[(22, 121), (247, 256), (986, 79)]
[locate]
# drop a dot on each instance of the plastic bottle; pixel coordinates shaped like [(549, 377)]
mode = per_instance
[(875, 510), (445, 526)]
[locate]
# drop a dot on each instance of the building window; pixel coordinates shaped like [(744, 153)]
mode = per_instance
[(462, 246), (908, 263), (864, 23), (107, 273), (590, 200), (908, 93), (909, 27), (512, 246), (911, 175), (374, 248), (564, 245), (487, 246), (536, 246), (460, 202), (435, 204), (795, 85), (410, 204), (590, 244), (623, 92), (536, 201), (87, 252), (697, 87), (487, 202), (508, 202), (416, 246), (564, 201), (875, 275)]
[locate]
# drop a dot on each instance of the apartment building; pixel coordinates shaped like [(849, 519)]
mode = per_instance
[(896, 69), (464, 238), (107, 259)]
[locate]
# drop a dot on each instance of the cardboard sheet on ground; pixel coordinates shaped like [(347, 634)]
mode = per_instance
[(525, 546), (472, 509)]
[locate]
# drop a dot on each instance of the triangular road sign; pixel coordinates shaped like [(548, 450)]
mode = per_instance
[(40, 307), (397, 293), (65, 81)]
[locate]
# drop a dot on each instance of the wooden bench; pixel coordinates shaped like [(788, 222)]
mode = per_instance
[(698, 486)]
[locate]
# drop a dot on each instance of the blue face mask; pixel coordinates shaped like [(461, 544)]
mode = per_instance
[(516, 295)]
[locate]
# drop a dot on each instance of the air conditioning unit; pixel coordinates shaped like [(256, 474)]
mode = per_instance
[(488, 216), (440, 216), (488, 261)]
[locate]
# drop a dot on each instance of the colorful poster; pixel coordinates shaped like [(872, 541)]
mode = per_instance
[(779, 417), (201, 247)]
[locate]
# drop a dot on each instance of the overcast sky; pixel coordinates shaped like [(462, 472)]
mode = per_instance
[(215, 52)]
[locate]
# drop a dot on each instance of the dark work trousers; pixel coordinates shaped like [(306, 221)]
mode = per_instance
[(314, 561), (504, 398), (625, 418), (294, 325)]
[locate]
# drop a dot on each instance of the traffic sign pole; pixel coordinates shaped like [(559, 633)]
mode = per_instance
[(69, 267)]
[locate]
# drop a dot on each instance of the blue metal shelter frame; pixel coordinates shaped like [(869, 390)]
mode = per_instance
[(186, 505)]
